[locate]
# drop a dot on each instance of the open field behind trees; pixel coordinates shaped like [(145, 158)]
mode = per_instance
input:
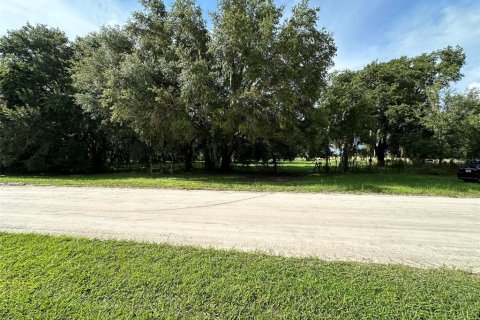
[(47, 277)]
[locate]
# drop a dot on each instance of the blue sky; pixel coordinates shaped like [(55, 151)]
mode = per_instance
[(364, 30)]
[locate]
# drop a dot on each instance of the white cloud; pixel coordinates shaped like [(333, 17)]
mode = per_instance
[(474, 85), (74, 17), (431, 27), (425, 32)]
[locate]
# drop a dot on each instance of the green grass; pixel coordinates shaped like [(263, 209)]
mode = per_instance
[(47, 277), (383, 182)]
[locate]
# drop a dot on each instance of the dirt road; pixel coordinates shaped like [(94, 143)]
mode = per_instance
[(418, 231)]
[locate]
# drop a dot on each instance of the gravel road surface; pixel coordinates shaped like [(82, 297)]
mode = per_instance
[(418, 231)]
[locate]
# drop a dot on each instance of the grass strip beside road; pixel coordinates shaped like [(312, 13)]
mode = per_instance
[(51, 277), (382, 183)]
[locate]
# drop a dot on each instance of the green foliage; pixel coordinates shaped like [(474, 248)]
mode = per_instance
[(255, 88), (143, 76), (272, 74), (350, 114), (98, 56), (181, 89), (404, 91), (456, 125), (41, 129)]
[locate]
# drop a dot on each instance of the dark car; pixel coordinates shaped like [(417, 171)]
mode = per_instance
[(469, 172)]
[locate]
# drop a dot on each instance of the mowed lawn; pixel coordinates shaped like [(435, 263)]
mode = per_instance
[(387, 183), (50, 277)]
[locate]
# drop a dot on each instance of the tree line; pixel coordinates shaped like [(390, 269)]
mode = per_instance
[(255, 86)]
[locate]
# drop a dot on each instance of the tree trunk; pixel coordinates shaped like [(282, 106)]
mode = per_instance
[(98, 157), (189, 158), (209, 158), (226, 164), (380, 150), (149, 160), (188, 161), (275, 164), (344, 161), (209, 164), (226, 154), (98, 164)]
